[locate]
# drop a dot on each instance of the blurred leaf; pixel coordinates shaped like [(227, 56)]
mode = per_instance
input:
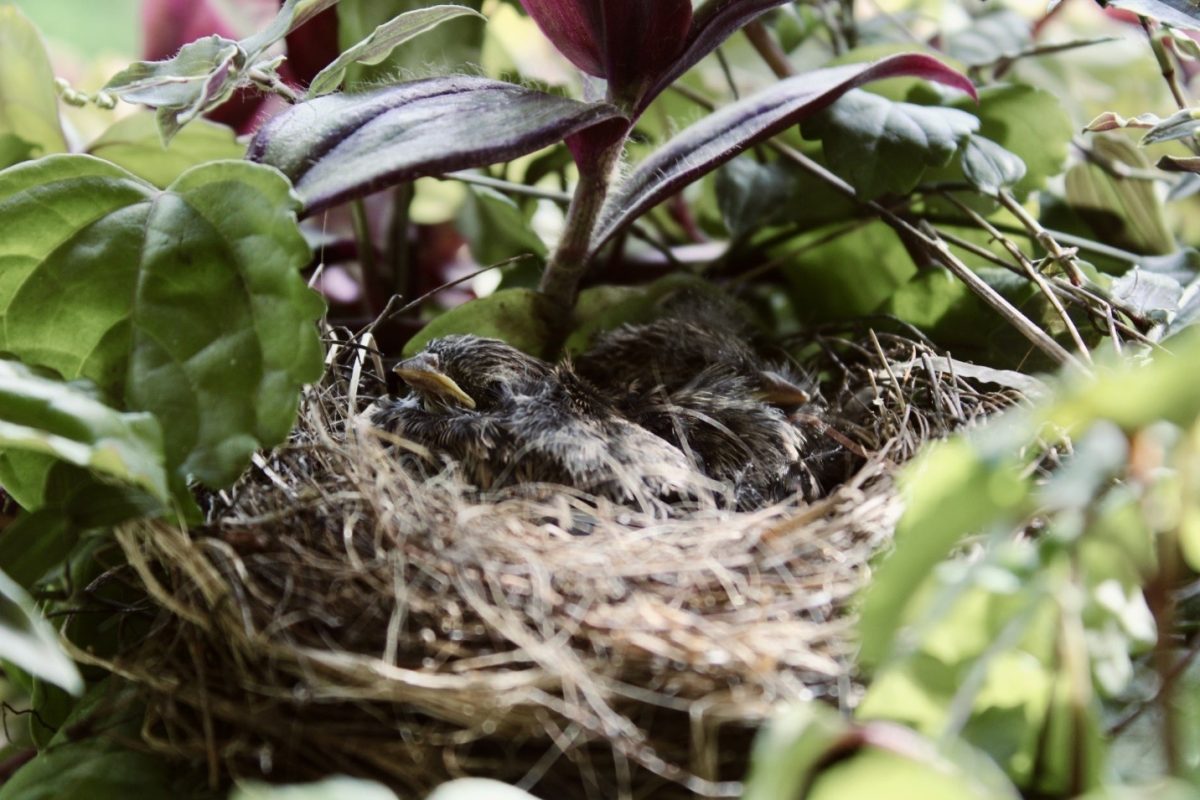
[(1151, 294), (376, 47), (790, 750), (448, 47), (496, 227), (1029, 123), (882, 146), (13, 150), (1111, 121), (989, 167), (335, 788), (1125, 212), (186, 303), (1187, 164), (34, 544), (951, 490), (876, 772), (1180, 13), (478, 789), (68, 422), (1099, 456), (29, 642), (134, 144), (992, 35), (1188, 313), (517, 316), (1181, 125), (28, 101), (731, 129), (341, 146), (93, 769)]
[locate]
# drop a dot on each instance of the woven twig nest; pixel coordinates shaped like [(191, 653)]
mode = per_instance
[(339, 615)]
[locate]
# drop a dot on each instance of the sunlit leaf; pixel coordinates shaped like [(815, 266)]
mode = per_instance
[(728, 131), (1181, 125), (1123, 211), (478, 789), (517, 316), (29, 642), (28, 102), (134, 143), (383, 40), (186, 303), (496, 227), (342, 146), (789, 751), (335, 788), (882, 146), (440, 52)]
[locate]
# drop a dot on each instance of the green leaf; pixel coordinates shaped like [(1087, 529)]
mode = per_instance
[(29, 642), (989, 167), (478, 789), (877, 772), (447, 48), (335, 788), (201, 76), (789, 751), (1029, 123), (292, 15), (376, 47), (882, 146), (951, 490), (517, 316), (753, 196), (1126, 212), (93, 769), (28, 101), (186, 303), (496, 227), (992, 35), (1180, 125), (14, 149), (1180, 13), (342, 146), (68, 422), (134, 143)]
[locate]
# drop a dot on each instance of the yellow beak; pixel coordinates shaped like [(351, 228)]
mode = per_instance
[(423, 373)]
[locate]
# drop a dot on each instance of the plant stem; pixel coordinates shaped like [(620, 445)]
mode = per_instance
[(560, 281)]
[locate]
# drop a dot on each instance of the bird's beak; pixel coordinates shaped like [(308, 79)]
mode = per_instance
[(423, 373), (779, 391)]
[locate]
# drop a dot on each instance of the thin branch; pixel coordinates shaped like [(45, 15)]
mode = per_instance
[(1028, 269), (769, 50), (1060, 255), (507, 187)]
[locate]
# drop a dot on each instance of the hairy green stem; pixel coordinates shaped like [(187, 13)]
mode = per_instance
[(560, 281)]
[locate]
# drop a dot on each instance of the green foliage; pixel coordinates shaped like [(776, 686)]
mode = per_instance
[(497, 227), (185, 304), (448, 47), (336, 788), (133, 143), (882, 146), (517, 316), (29, 643), (28, 104), (379, 44)]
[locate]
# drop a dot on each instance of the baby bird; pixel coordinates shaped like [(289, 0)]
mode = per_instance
[(693, 378), (508, 418)]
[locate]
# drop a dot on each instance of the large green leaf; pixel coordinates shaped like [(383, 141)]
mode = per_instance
[(93, 769), (335, 788), (29, 642), (882, 146), (186, 303), (69, 423), (376, 47), (496, 227), (28, 102), (134, 143)]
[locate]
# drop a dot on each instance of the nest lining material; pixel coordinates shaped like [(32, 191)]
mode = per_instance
[(339, 615)]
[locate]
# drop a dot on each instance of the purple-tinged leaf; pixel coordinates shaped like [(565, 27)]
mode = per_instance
[(714, 22), (627, 42), (342, 146), (1180, 13), (730, 130)]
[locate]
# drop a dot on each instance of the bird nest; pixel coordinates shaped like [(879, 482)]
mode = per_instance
[(337, 614)]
